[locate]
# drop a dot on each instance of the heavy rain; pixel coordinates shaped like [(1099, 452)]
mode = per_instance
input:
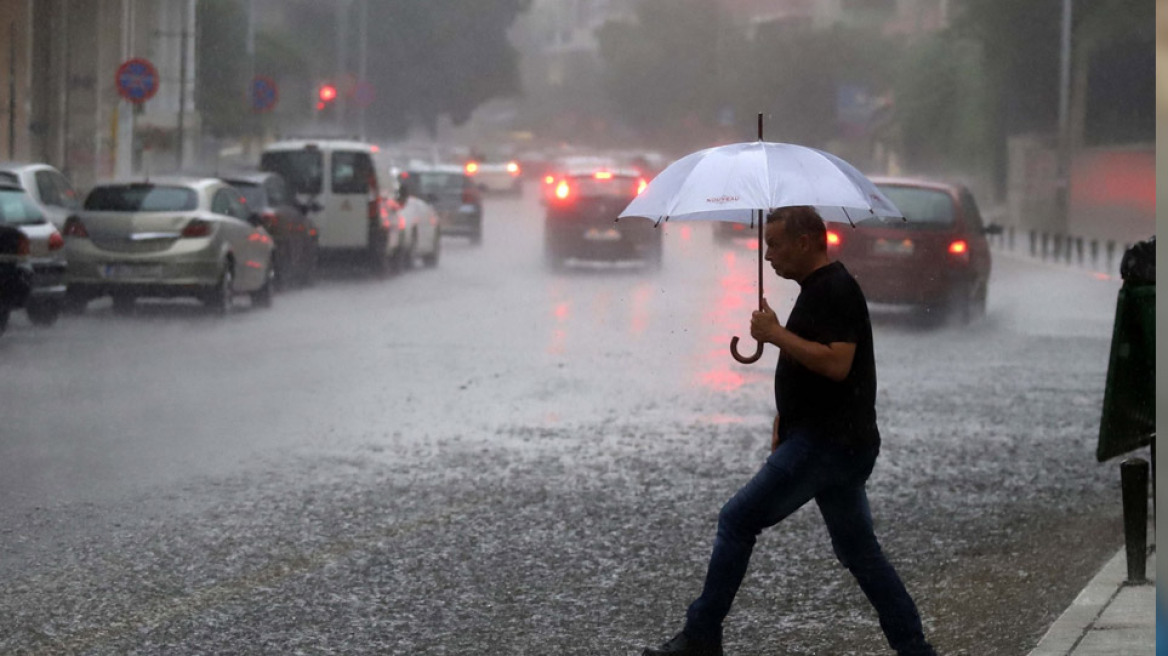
[(326, 344)]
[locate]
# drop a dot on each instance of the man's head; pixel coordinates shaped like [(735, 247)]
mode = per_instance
[(796, 241)]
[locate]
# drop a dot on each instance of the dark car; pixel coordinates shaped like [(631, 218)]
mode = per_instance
[(15, 272), (937, 259), (272, 206), (582, 207), (453, 194), (42, 252)]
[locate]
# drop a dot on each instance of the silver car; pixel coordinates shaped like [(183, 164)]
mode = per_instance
[(48, 189), (167, 237), (41, 252)]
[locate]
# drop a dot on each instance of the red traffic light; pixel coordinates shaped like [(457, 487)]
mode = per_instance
[(328, 93)]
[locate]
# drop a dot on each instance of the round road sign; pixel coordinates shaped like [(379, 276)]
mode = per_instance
[(264, 94), (137, 80)]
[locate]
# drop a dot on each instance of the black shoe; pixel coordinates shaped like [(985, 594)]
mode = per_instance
[(683, 645)]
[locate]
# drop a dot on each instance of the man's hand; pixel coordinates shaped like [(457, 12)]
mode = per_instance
[(775, 434), (764, 324)]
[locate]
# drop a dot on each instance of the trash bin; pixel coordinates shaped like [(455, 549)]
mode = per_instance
[(1129, 403)]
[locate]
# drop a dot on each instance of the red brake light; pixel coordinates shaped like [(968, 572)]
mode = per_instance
[(959, 247), (56, 241), (472, 168), (602, 175), (75, 228), (549, 179), (563, 190), (197, 228), (833, 238), (641, 185), (513, 168)]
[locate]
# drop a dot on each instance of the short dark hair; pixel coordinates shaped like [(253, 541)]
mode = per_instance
[(801, 220)]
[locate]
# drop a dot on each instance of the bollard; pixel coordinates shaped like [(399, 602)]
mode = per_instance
[(1058, 248), (1079, 249), (1033, 244), (1010, 237), (1133, 474), (1045, 238), (1095, 253), (1110, 255)]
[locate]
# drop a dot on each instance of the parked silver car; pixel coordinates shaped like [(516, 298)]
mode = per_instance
[(48, 189), (40, 252), (167, 237)]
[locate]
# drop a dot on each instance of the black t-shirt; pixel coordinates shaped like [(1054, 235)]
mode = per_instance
[(830, 308)]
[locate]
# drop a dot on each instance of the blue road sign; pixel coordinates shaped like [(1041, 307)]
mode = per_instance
[(264, 94), (137, 80)]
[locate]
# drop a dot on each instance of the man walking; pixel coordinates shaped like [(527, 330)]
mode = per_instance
[(824, 442)]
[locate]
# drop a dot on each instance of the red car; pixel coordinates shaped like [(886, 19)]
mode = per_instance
[(937, 259)]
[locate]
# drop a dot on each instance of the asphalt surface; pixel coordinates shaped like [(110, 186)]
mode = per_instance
[(486, 458)]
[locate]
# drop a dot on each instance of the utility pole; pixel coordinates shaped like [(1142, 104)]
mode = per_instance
[(342, 35), (1063, 182), (12, 90), (182, 82), (362, 62)]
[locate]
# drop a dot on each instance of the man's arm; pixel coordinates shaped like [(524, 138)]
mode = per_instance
[(832, 361)]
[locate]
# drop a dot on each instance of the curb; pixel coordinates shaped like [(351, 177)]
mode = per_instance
[(1083, 616)]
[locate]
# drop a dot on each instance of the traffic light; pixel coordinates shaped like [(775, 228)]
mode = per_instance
[(326, 96)]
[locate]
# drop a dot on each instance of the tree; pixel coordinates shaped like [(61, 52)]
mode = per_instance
[(439, 57), (221, 65)]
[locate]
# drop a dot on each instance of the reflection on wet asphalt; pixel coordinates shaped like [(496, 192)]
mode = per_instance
[(491, 458)]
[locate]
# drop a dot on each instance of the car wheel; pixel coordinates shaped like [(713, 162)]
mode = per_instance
[(430, 260), (3, 321), (959, 307), (408, 253), (75, 302), (308, 276), (123, 304), (221, 297), (43, 313), (262, 297)]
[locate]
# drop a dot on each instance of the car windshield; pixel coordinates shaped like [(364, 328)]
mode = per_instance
[(253, 195), (427, 182), (303, 170), (17, 209), (923, 208), (141, 198)]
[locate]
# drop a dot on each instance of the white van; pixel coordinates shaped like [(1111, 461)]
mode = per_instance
[(337, 181)]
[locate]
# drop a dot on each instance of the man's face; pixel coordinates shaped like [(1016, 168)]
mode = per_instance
[(783, 252)]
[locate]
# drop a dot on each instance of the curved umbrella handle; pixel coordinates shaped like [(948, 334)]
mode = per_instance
[(744, 359)]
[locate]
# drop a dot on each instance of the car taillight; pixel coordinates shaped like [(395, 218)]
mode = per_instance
[(22, 246), (269, 218), (472, 168), (75, 228), (197, 228), (641, 185), (56, 241), (833, 238), (563, 190), (602, 175), (513, 168), (549, 179), (959, 247)]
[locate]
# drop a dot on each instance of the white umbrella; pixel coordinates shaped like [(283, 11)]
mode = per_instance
[(740, 182), (731, 183)]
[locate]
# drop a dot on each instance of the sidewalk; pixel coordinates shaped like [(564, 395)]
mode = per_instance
[(1108, 618)]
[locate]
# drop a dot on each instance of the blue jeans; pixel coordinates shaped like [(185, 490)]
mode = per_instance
[(802, 469)]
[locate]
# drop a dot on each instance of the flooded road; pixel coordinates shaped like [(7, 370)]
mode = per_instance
[(487, 457)]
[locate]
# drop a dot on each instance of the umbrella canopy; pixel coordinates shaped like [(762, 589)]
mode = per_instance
[(730, 183)]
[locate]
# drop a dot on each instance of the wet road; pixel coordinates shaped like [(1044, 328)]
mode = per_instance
[(489, 458)]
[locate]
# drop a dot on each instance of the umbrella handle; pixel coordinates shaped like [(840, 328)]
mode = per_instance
[(744, 359)]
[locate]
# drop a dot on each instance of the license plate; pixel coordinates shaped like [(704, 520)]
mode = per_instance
[(120, 271), (893, 247), (595, 234)]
